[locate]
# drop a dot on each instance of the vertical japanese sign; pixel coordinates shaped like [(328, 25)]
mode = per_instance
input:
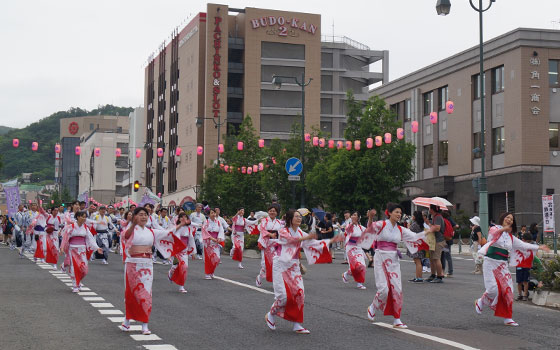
[(535, 95), (12, 199), (548, 213)]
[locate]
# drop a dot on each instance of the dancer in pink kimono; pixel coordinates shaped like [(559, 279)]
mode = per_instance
[(53, 227), (185, 232), (37, 228), (268, 234), (76, 239), (139, 240), (502, 251), (385, 235), (354, 252), (289, 294), (213, 237), (239, 224)]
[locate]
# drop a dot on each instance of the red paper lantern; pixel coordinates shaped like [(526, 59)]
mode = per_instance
[(226, 168), (339, 144), (34, 146), (261, 143), (78, 150), (331, 143), (178, 151), (97, 151), (387, 137), (243, 170), (321, 142), (240, 146), (315, 141), (414, 126), (160, 152), (357, 145), (118, 152), (249, 170), (199, 150), (378, 141), (369, 142), (433, 117), (273, 160), (255, 168), (221, 166), (57, 148), (261, 166), (449, 107), (348, 145), (15, 143), (138, 153), (307, 137), (400, 133), (221, 148)]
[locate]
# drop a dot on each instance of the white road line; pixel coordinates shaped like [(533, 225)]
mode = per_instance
[(426, 336), (69, 284), (110, 312), (135, 327), (102, 305), (94, 299), (244, 285), (85, 289), (142, 337), (160, 347), (117, 319), (83, 294)]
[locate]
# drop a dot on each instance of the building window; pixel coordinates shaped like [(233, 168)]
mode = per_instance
[(428, 156), (428, 102), (443, 152), (476, 86), (553, 72), (498, 140), (341, 128), (476, 144), (553, 135), (407, 110), (498, 80), (91, 126), (443, 97), (326, 128), (395, 109), (326, 106)]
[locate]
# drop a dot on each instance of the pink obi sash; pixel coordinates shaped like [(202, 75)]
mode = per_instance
[(214, 234), (387, 246), (77, 240), (239, 228)]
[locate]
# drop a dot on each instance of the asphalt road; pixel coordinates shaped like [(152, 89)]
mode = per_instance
[(38, 311)]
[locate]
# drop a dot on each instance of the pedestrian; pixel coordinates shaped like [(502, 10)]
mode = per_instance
[(268, 234), (326, 231), (417, 226), (238, 236), (8, 230), (52, 238), (534, 231), (213, 237), (446, 258), (502, 251), (21, 226), (426, 260), (37, 229), (477, 240), (523, 271), (185, 232), (103, 224), (355, 253), (289, 296), (386, 234), (435, 255), (522, 232)]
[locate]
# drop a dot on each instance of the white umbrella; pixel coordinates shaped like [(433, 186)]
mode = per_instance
[(447, 203), (426, 202)]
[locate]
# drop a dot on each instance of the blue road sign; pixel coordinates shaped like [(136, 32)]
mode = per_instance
[(294, 166)]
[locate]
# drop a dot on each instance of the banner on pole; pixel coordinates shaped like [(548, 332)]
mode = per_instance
[(548, 213), (12, 199)]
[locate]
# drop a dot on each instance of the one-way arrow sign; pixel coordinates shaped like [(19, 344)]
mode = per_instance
[(294, 166)]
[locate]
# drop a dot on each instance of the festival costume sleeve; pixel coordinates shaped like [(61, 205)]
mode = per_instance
[(414, 241), (205, 234), (316, 251), (167, 243), (66, 238), (91, 244), (522, 253), (493, 236), (221, 234), (370, 234)]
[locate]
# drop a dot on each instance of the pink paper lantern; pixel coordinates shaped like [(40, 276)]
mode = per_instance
[(255, 168), (97, 152), (339, 144), (78, 150), (249, 170), (357, 145), (138, 153), (307, 137), (369, 142), (449, 107), (57, 148), (378, 141), (261, 166), (331, 143), (414, 126), (400, 133), (118, 152), (15, 143), (159, 194), (261, 143), (273, 160), (226, 168), (315, 141), (387, 137), (160, 152), (199, 150), (178, 151), (34, 146), (321, 142), (221, 148), (243, 170), (221, 166), (433, 117), (348, 145), (240, 145)]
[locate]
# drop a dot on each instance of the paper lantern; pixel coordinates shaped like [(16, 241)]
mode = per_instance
[(357, 145), (138, 153), (321, 142), (249, 170), (15, 143), (261, 143), (369, 142), (118, 152), (315, 141), (414, 126), (34, 146), (348, 145), (57, 148), (378, 141), (273, 160), (221, 166), (199, 150), (387, 137), (449, 107), (339, 144), (78, 150), (261, 166), (307, 137), (160, 152), (255, 168), (400, 133), (240, 146), (433, 117), (331, 143), (159, 194), (243, 170), (97, 152), (226, 168), (221, 148), (178, 151)]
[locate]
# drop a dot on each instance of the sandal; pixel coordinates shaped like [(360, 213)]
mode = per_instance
[(370, 315), (344, 279), (400, 326), (146, 332), (269, 323), (302, 331), (124, 328)]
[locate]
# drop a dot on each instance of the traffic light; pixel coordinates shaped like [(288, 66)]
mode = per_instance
[(136, 185)]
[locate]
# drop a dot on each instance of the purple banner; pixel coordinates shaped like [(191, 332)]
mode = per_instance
[(145, 200), (12, 199)]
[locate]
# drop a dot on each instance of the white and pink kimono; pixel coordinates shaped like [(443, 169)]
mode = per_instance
[(289, 294), (53, 226), (37, 228), (267, 245), (212, 228), (387, 268), (355, 253), (178, 273), (239, 224), (502, 251), (139, 269), (76, 241)]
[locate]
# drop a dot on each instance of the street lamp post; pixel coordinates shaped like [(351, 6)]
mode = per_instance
[(443, 8), (217, 124), (277, 84)]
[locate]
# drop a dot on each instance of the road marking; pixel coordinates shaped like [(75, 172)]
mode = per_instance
[(102, 305), (117, 319), (69, 284), (244, 285), (83, 294), (426, 336), (134, 327), (94, 299), (110, 312), (160, 347), (142, 337), (85, 289)]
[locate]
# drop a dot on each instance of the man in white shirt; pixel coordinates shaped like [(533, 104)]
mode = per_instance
[(197, 220), (103, 225), (163, 220), (347, 221), (22, 222)]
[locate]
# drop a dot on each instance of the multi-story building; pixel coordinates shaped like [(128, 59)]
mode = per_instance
[(137, 141), (219, 68), (522, 115)]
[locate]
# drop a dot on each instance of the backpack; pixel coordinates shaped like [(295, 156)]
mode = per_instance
[(448, 232)]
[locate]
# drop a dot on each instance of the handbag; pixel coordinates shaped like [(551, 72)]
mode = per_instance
[(483, 241)]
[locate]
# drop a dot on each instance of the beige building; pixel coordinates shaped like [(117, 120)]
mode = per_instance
[(522, 114)]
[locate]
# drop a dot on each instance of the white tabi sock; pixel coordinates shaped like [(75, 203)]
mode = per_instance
[(297, 326), (126, 322), (144, 327)]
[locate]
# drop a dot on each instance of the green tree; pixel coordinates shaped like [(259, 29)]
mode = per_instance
[(367, 178)]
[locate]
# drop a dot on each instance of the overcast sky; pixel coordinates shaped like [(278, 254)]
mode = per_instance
[(67, 53)]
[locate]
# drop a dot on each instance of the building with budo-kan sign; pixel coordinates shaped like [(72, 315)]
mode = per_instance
[(218, 68)]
